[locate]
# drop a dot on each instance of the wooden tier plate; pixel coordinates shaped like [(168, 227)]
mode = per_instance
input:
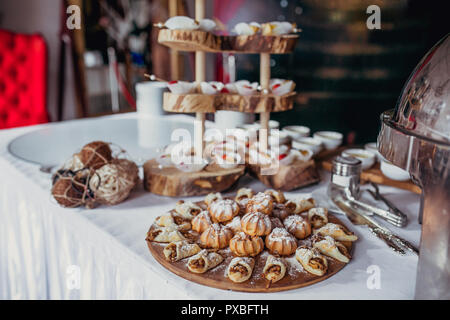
[(195, 102), (296, 175), (215, 278), (172, 182), (195, 40)]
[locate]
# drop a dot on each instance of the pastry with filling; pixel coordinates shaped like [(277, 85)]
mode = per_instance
[(331, 248), (235, 224), (176, 251), (164, 235), (298, 206), (276, 223), (204, 261), (280, 211), (274, 269), (277, 196), (281, 242), (240, 269), (297, 226), (223, 210), (243, 193), (256, 224), (201, 222), (337, 232), (187, 210), (170, 220), (260, 203), (216, 236), (318, 217), (243, 245), (210, 198), (312, 261)]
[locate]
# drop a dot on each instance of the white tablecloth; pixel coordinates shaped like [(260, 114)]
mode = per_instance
[(43, 247)]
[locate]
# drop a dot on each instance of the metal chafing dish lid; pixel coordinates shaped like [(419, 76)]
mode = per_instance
[(423, 108)]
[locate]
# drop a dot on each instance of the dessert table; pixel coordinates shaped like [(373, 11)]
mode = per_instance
[(49, 252)]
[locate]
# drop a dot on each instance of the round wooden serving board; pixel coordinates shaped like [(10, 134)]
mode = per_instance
[(197, 40), (216, 278)]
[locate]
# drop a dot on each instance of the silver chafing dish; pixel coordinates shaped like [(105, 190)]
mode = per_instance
[(416, 137)]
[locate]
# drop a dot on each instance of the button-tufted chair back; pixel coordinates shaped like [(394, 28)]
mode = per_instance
[(23, 80)]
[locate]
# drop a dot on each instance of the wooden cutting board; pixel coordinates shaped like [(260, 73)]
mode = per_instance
[(373, 174)]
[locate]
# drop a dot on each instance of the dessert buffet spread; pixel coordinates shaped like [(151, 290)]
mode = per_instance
[(253, 242)]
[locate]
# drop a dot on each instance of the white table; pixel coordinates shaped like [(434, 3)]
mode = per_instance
[(43, 246)]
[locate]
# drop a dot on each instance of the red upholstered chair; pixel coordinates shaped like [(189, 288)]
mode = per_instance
[(23, 80)]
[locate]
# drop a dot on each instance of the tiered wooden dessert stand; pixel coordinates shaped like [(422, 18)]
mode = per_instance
[(170, 181)]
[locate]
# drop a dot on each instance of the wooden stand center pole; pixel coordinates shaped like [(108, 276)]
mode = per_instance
[(174, 56), (264, 116), (200, 76)]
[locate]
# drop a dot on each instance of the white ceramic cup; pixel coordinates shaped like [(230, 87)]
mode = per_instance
[(367, 157), (330, 139), (296, 132), (308, 143), (394, 172)]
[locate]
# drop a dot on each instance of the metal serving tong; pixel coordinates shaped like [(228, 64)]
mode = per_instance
[(392, 208), (394, 218), (395, 242)]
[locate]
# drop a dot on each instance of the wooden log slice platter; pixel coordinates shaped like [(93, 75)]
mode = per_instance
[(196, 40), (295, 277), (195, 102), (296, 175), (259, 44), (172, 182)]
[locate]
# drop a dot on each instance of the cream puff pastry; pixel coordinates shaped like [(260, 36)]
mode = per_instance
[(223, 210), (243, 245), (201, 222), (260, 203), (256, 224), (281, 242), (297, 226), (216, 236)]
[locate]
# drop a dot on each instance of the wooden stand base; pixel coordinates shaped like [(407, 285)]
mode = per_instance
[(172, 182), (296, 175)]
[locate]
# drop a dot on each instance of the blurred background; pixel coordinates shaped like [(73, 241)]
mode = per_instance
[(346, 74)]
